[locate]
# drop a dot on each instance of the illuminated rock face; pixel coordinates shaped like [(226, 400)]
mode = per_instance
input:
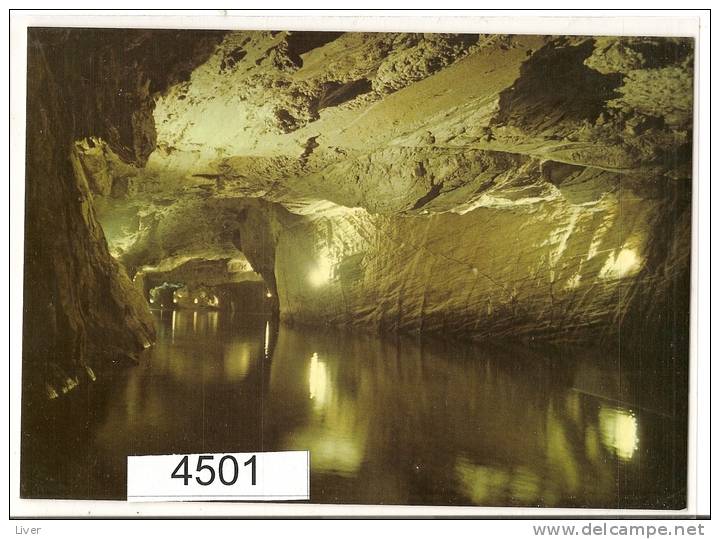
[(544, 270), (488, 186)]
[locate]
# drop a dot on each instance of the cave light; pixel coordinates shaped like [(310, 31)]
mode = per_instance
[(338, 443), (174, 300), (626, 263), (322, 272), (619, 430), (268, 294), (152, 300), (195, 301)]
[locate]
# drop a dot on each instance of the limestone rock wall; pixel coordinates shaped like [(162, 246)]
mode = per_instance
[(538, 270), (80, 309)]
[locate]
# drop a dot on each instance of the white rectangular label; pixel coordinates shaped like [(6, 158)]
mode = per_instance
[(281, 475)]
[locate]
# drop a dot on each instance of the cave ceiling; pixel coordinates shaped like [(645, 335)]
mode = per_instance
[(326, 123)]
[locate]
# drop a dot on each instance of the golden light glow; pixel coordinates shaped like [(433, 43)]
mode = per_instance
[(485, 483), (195, 301), (268, 294), (322, 272), (318, 381), (625, 263), (213, 321), (237, 361), (618, 429), (573, 282), (335, 451), (267, 338)]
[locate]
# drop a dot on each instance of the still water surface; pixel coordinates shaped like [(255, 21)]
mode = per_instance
[(387, 420)]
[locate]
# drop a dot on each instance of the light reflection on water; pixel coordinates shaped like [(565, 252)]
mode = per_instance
[(619, 431), (386, 420)]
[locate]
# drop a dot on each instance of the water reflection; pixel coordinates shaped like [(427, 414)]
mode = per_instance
[(318, 382), (485, 484), (386, 420), (237, 361), (266, 347), (619, 431)]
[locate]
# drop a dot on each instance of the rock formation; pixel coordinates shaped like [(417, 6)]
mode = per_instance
[(521, 187), (80, 309)]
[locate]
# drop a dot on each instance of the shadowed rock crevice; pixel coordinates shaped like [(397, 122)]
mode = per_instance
[(555, 87), (298, 43), (335, 93)]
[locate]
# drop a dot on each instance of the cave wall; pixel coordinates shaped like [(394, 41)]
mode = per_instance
[(80, 309), (546, 270)]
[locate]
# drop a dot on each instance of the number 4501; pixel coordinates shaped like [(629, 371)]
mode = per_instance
[(227, 470)]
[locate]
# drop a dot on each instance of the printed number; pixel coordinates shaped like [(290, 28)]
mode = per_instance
[(251, 460), (236, 471), (184, 465), (186, 476), (201, 467)]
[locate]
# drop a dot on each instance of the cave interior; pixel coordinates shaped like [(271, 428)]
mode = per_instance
[(533, 190)]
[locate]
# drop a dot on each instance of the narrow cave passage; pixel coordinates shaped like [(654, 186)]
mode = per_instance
[(224, 285), (281, 241)]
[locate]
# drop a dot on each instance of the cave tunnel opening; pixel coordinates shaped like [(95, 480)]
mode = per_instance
[(227, 285)]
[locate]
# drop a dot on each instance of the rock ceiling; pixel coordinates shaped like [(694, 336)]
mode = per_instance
[(408, 123)]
